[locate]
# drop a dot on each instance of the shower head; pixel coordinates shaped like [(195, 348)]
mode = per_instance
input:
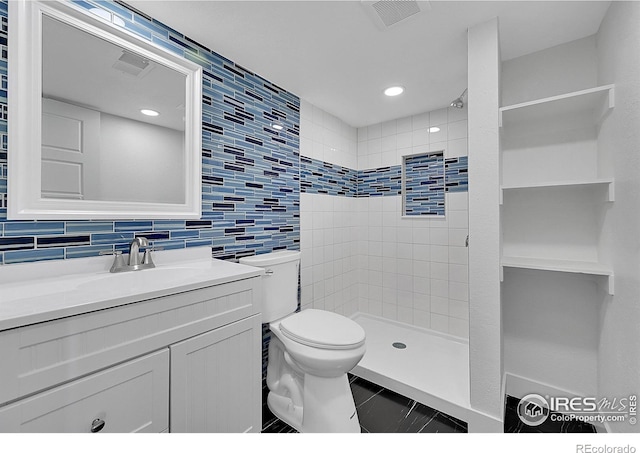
[(459, 102)]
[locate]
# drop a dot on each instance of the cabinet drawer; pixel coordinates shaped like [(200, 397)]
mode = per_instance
[(131, 397), (51, 353)]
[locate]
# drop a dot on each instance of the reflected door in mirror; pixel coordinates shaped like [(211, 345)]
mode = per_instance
[(70, 151)]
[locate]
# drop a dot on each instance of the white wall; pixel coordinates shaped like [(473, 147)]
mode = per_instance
[(551, 329), (561, 69), (485, 346), (358, 254), (618, 44), (140, 161)]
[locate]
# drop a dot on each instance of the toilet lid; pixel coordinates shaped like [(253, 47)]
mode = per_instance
[(323, 329)]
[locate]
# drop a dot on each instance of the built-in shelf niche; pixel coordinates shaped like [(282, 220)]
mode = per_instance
[(607, 184), (554, 188), (554, 141), (573, 267), (590, 104)]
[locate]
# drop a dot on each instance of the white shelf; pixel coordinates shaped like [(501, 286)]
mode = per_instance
[(597, 100), (574, 267), (586, 183)]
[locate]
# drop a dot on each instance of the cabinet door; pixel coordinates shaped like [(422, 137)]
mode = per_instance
[(131, 397), (216, 380)]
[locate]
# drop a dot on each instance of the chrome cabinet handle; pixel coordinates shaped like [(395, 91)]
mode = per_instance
[(269, 272), (97, 425)]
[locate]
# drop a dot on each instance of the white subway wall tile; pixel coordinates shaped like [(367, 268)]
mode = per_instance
[(421, 301), (455, 114), (388, 128), (440, 322), (404, 140), (420, 121), (438, 117), (440, 305), (457, 130), (374, 131), (404, 125), (422, 318), (405, 314), (457, 201), (457, 148), (458, 309), (459, 327), (419, 137), (362, 134)]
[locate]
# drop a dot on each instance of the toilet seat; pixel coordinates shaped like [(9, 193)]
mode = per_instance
[(323, 329)]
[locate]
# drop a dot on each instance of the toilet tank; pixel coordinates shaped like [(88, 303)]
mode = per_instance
[(279, 283)]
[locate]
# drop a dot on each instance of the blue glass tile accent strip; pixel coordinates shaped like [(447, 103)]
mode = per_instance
[(424, 185), (320, 177), (317, 177), (378, 182), (456, 174), (250, 172)]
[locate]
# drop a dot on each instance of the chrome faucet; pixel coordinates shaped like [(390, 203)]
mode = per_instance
[(134, 250), (136, 263)]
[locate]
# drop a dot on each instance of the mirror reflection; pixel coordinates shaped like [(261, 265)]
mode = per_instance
[(113, 126)]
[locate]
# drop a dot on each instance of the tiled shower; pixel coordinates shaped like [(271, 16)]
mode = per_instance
[(359, 253)]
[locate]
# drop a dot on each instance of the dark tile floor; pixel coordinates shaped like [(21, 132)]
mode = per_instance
[(380, 411), (513, 424)]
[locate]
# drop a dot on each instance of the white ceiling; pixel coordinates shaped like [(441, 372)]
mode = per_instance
[(332, 54)]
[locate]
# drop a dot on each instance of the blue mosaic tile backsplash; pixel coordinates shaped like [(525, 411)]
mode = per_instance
[(250, 176)]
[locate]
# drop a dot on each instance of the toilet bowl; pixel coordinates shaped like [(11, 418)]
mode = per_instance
[(310, 353)]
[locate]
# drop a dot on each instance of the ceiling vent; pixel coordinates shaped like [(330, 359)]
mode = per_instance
[(387, 13), (133, 64)]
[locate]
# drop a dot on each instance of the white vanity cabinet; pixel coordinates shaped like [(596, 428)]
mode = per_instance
[(183, 362), (131, 397), (215, 380)]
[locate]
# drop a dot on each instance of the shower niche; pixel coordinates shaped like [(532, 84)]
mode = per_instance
[(423, 185)]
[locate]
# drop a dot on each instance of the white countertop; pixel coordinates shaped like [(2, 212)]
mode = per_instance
[(43, 291)]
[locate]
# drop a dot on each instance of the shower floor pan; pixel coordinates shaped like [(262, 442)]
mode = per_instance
[(432, 368)]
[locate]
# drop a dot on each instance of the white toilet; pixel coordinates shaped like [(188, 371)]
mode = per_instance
[(310, 353)]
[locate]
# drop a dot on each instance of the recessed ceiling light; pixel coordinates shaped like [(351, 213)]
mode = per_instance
[(394, 91), (149, 112), (434, 129)]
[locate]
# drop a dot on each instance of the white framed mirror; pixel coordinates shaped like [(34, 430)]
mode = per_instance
[(82, 144)]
